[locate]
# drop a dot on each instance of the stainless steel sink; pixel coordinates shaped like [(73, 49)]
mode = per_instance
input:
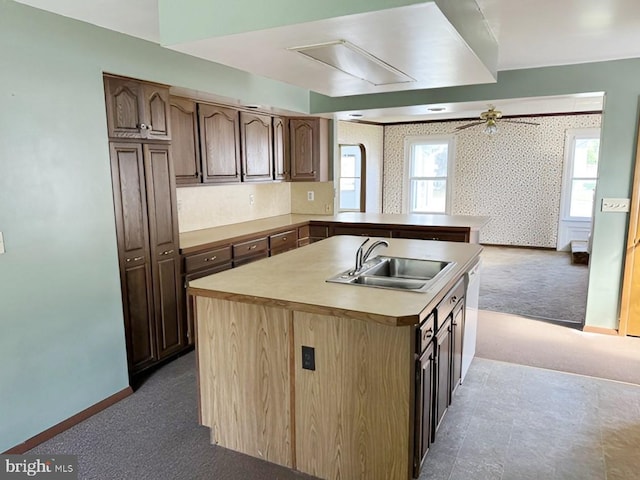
[(408, 274)]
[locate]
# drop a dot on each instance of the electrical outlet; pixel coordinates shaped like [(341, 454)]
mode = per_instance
[(308, 358), (1, 243), (615, 204), (251, 199), (310, 195)]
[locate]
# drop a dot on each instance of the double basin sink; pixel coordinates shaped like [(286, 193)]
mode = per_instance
[(408, 274)]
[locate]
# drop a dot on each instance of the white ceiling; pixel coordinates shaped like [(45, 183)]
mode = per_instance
[(530, 33)]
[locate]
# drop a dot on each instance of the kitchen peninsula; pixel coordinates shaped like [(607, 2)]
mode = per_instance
[(326, 378)]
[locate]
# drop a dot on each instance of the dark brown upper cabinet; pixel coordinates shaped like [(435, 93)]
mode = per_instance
[(256, 135), (137, 110), (280, 157), (219, 144), (184, 141), (309, 149)]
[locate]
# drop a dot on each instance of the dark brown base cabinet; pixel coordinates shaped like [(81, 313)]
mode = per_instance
[(147, 235), (438, 369)]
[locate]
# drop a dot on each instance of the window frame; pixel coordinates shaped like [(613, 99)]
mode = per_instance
[(410, 143), (363, 177), (571, 135)]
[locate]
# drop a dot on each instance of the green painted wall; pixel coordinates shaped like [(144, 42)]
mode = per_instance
[(62, 339), (619, 80), (190, 20)]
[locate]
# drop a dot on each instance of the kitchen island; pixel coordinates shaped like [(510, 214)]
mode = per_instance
[(322, 377)]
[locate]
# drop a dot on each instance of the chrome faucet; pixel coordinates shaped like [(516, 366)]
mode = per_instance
[(361, 258)]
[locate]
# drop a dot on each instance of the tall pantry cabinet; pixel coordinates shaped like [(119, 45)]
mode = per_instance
[(144, 196)]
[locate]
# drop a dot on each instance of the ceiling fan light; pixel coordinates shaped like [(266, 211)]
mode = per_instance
[(491, 127)]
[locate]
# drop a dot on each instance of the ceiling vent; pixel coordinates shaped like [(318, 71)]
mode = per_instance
[(354, 61)]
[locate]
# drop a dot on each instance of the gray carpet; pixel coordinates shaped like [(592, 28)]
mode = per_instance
[(540, 284), (154, 435)]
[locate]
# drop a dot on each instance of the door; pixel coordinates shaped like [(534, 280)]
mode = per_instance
[(630, 303), (219, 144), (155, 110), (257, 147), (130, 204), (163, 239)]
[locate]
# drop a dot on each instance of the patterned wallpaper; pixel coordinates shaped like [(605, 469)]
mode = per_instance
[(514, 176), (372, 137)]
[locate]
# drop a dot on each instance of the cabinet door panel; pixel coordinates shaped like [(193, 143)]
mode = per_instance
[(458, 334), (280, 159), (130, 205), (184, 141), (304, 148), (138, 313), (124, 107), (220, 145), (257, 153), (424, 409), (163, 237), (156, 109), (443, 373)]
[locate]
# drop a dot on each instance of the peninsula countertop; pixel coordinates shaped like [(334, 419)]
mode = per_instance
[(196, 238), (297, 280)]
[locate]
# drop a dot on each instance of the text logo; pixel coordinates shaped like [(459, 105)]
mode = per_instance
[(47, 467)]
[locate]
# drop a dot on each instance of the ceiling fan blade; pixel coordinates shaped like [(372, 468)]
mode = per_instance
[(525, 123), (470, 125)]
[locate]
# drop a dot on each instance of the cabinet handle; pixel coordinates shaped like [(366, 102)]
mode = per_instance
[(313, 172), (167, 252), (284, 239), (253, 247), (454, 299), (134, 259), (211, 259)]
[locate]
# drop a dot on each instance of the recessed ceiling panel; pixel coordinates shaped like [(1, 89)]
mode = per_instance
[(417, 40)]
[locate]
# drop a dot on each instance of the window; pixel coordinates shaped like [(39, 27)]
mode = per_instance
[(581, 173), (429, 165), (352, 172)]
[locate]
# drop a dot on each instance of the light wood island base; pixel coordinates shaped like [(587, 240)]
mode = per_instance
[(350, 418)]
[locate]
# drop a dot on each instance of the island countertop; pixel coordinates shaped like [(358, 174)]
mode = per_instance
[(297, 280), (196, 238)]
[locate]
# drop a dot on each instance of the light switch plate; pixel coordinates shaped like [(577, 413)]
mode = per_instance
[(1, 243), (615, 204), (310, 195)]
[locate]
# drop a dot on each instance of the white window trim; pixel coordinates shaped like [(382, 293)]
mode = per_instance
[(409, 143), (571, 135)]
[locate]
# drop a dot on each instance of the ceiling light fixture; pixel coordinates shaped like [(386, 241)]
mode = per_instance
[(436, 109), (491, 127), (346, 57), (355, 115)]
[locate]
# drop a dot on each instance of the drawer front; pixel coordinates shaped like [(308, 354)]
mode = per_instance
[(362, 231), (304, 241), (283, 241), (425, 334), (249, 258), (303, 232), (208, 259), (250, 248), (318, 231), (448, 303), (441, 235)]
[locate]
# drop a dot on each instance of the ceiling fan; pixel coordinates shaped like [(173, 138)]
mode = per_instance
[(489, 118)]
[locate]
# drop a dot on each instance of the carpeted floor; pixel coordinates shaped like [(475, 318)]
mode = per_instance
[(524, 341), (541, 284)]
